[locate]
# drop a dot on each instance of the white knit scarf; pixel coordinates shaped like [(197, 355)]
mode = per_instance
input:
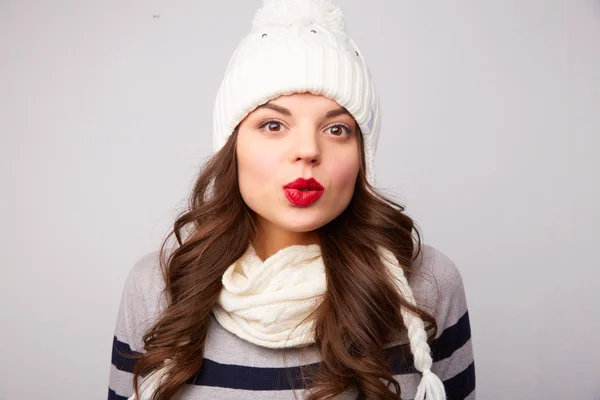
[(267, 303)]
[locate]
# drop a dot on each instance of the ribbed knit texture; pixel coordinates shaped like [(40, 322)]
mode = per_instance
[(297, 53)]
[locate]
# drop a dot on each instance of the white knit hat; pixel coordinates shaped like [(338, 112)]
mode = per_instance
[(298, 46)]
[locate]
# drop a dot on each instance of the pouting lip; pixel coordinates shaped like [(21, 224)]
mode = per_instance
[(305, 184)]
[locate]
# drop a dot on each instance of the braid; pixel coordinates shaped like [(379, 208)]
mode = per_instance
[(430, 387)]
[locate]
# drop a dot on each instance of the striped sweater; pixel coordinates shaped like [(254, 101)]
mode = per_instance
[(236, 369)]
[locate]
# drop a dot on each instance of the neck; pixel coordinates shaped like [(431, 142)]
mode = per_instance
[(270, 239)]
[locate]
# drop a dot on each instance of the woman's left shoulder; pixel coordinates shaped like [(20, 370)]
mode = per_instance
[(432, 263), (438, 286)]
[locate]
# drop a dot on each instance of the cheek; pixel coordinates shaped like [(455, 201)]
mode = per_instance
[(256, 166), (343, 174), (255, 170)]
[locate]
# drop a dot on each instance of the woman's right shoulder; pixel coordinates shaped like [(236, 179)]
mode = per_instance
[(146, 274), (142, 299)]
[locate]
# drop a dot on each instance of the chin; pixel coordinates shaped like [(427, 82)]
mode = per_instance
[(304, 223), (301, 226)]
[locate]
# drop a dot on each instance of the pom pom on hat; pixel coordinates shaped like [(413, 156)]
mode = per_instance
[(284, 12)]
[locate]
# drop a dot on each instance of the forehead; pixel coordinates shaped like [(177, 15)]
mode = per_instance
[(308, 104)]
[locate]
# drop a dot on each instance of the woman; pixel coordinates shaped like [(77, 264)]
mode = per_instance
[(292, 277)]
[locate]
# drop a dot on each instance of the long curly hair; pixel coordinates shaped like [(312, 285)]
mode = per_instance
[(360, 310)]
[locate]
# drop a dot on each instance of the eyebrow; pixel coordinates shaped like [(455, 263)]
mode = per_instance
[(285, 111)]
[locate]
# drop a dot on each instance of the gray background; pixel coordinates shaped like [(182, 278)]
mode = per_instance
[(491, 123)]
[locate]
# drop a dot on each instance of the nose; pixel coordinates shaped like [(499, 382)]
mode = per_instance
[(306, 147)]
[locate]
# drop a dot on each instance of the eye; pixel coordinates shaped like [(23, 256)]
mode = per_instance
[(339, 130), (272, 125)]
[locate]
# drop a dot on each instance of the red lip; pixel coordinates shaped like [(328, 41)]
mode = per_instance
[(303, 192), (304, 184)]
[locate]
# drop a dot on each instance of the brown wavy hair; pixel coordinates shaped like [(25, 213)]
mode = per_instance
[(361, 308)]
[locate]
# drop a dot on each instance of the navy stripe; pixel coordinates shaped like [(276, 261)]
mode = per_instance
[(123, 358), (461, 385), (233, 376), (114, 396), (249, 378), (457, 387), (453, 338), (400, 359), (261, 378)]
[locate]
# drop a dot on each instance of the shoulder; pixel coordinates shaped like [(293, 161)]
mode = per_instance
[(146, 273), (438, 286), (142, 300), (146, 281), (432, 264)]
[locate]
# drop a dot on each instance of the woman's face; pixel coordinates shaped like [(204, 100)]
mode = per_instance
[(291, 137)]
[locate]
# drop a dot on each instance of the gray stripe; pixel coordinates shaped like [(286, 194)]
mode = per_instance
[(457, 363), (121, 382)]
